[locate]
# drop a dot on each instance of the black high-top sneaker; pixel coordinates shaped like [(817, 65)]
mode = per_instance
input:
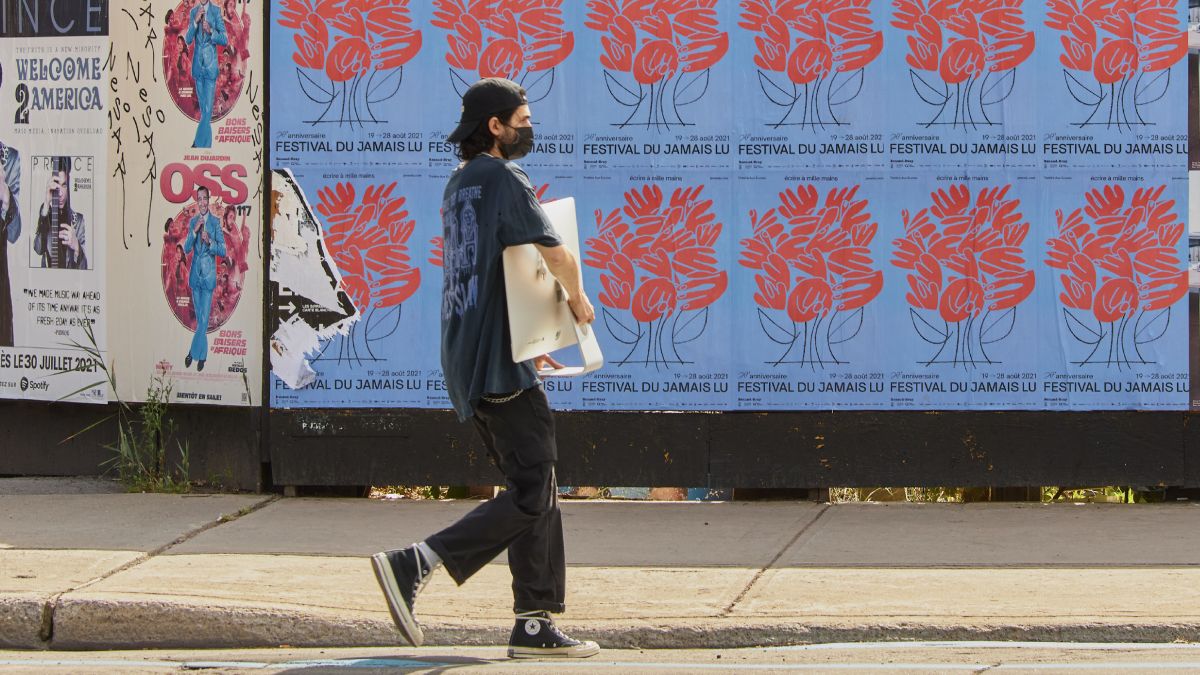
[(402, 574), (535, 636)]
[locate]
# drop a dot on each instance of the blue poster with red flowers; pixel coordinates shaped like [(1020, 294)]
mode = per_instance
[(340, 76), (658, 255), (1115, 297), (534, 44), (965, 258), (377, 233), (657, 78), (964, 80), (808, 291), (812, 81), (1115, 76), (782, 204)]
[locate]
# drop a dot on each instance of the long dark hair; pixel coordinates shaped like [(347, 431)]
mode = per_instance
[(63, 165), (481, 140)]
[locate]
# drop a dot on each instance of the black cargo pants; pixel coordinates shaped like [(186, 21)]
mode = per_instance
[(525, 519)]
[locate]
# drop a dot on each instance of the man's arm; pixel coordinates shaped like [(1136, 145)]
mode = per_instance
[(191, 237), (218, 242), (12, 179), (43, 231), (565, 268), (219, 36), (81, 240), (191, 31)]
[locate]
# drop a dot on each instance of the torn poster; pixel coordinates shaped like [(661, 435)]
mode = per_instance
[(308, 300)]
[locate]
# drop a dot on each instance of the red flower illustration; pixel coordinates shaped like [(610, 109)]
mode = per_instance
[(502, 58), (973, 46), (395, 50), (811, 60), (368, 242), (811, 298), (962, 60), (813, 262), (657, 260), (522, 41), (654, 299), (436, 249), (1116, 61), (963, 298), (822, 45), (1120, 263), (364, 63), (1118, 43), (657, 61), (966, 263), (1116, 299), (662, 46), (349, 58), (311, 44)]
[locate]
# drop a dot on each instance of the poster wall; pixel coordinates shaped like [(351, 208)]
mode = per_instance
[(1193, 103), (782, 205), (186, 189), (53, 205)]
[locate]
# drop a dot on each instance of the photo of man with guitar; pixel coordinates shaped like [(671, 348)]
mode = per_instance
[(61, 237)]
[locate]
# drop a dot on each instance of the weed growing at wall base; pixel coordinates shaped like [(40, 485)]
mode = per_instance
[(143, 435)]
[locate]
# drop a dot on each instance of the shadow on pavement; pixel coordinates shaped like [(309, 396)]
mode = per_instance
[(385, 664)]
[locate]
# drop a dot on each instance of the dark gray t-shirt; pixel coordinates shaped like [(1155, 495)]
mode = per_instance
[(488, 205)]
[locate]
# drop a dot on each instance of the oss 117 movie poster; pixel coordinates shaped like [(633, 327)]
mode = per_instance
[(186, 190)]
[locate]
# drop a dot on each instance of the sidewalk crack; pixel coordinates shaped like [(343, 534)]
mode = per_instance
[(190, 534), (759, 574), (46, 631)]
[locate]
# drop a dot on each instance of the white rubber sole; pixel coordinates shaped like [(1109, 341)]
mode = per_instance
[(580, 651), (405, 622)]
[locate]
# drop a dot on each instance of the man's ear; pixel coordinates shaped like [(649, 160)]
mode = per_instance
[(495, 126)]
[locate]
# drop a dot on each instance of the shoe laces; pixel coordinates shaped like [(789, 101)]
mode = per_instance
[(544, 617), (424, 572)]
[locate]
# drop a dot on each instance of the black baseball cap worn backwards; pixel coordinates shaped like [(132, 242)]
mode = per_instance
[(484, 99)]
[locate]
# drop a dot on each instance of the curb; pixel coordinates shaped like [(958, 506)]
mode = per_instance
[(111, 624), (22, 621)]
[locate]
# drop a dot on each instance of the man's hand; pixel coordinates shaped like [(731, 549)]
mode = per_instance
[(565, 268), (545, 362), (582, 308), (204, 234), (66, 234), (51, 190)]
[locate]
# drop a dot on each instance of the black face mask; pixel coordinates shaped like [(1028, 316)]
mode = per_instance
[(520, 147)]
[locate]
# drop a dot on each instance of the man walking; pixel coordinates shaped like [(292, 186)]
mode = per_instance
[(488, 205), (205, 242)]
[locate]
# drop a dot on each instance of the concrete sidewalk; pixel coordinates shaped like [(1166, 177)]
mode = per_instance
[(97, 571)]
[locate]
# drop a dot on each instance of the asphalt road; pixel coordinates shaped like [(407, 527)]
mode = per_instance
[(912, 657)]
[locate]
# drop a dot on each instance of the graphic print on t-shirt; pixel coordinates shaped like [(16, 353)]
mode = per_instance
[(461, 290)]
